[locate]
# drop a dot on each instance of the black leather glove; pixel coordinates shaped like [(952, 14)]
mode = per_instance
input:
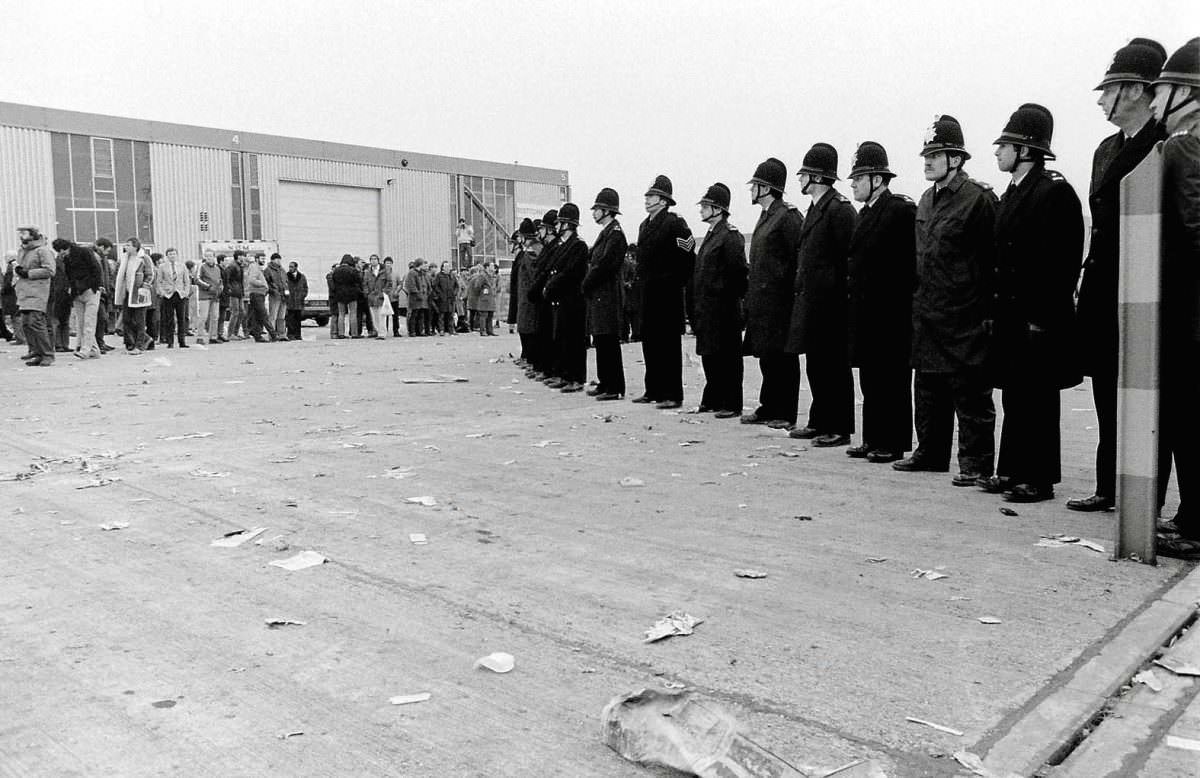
[(21, 271)]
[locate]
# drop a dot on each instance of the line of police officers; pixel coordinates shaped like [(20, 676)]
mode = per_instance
[(936, 303)]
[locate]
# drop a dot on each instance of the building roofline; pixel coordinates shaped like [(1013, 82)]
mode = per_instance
[(60, 120)]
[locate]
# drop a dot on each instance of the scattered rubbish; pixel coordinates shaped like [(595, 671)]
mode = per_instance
[(1176, 666), (726, 475), (1148, 678), (408, 699), (687, 443), (862, 768), (441, 379), (425, 500), (199, 473), (1184, 743), (99, 482), (286, 735), (237, 537), (989, 620), (975, 765), (300, 561), (277, 623), (418, 538), (959, 598), (142, 499), (789, 454), (1008, 511), (277, 543), (478, 435), (337, 364), (284, 460), (938, 727), (398, 473), (351, 445), (930, 575), (544, 443), (188, 436), (631, 481), (114, 525), (802, 518), (498, 662), (674, 623), (673, 685), (432, 448), (331, 428), (744, 573), (164, 704), (235, 382), (877, 559), (1058, 539), (509, 462), (681, 731)]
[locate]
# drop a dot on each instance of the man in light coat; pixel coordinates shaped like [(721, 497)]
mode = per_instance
[(35, 267)]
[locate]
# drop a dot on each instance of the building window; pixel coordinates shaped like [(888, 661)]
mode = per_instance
[(102, 188), (489, 206), (246, 195)]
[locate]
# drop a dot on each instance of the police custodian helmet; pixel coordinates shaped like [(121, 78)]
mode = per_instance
[(717, 196), (821, 161), (870, 159), (1031, 126), (569, 213), (662, 187), (1137, 62), (609, 200), (770, 172), (945, 134)]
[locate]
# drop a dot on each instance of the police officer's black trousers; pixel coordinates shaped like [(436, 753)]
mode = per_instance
[(610, 373), (1104, 395), (722, 381), (570, 342), (832, 385), (1179, 428), (662, 350), (939, 398), (526, 353), (1029, 438), (780, 393), (887, 423)]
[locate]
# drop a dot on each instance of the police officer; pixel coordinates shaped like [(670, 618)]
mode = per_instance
[(818, 322), (563, 290), (666, 257), (1125, 96), (955, 235), (521, 313), (602, 289), (1177, 105), (718, 287), (769, 295), (543, 313), (881, 274), (1039, 243)]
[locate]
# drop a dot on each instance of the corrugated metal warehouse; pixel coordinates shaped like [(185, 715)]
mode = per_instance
[(84, 176)]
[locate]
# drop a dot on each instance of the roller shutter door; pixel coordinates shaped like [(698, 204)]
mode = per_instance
[(318, 223)]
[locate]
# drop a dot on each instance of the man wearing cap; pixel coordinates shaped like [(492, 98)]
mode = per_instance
[(955, 233), (818, 321), (666, 258), (1039, 243), (881, 274), (769, 294), (523, 268), (602, 288), (719, 284), (564, 292), (543, 313), (1177, 106), (35, 266), (1125, 96)]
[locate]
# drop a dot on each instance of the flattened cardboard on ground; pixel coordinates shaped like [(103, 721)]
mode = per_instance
[(686, 733), (498, 662), (674, 623), (300, 561), (238, 537)]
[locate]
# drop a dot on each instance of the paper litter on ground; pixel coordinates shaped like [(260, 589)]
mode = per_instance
[(931, 575), (746, 573), (200, 473), (498, 662), (300, 561), (425, 500), (989, 620), (407, 699), (189, 436), (674, 623), (1059, 539), (114, 525), (277, 623), (938, 727), (417, 538), (631, 481), (1148, 678), (238, 537)]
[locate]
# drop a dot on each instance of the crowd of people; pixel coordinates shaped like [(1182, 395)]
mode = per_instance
[(937, 302)]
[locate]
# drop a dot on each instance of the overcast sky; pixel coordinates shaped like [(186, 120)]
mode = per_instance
[(615, 92)]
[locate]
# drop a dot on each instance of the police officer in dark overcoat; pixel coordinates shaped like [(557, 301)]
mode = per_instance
[(1125, 97), (818, 322), (956, 251), (602, 290), (719, 284), (769, 295), (666, 257), (564, 291), (522, 312), (543, 314), (1039, 244), (881, 274)]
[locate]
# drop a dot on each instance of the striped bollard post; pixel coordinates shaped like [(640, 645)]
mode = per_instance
[(1140, 305)]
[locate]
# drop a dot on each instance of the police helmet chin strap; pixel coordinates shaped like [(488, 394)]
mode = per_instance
[(1116, 101), (1183, 103)]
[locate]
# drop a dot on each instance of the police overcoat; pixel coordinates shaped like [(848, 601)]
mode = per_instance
[(818, 321), (527, 310), (718, 288), (772, 277), (666, 258), (881, 274), (602, 282)]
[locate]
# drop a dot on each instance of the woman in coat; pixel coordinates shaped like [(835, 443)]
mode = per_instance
[(376, 281)]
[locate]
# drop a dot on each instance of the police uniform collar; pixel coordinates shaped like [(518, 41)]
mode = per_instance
[(960, 177)]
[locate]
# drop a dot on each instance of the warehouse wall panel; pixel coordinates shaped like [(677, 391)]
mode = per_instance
[(26, 183), (186, 181), (533, 200)]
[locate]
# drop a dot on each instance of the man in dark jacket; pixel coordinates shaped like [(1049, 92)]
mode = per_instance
[(818, 321), (666, 258), (719, 284), (518, 284), (33, 271), (602, 289), (543, 313), (346, 287), (1177, 105), (277, 294), (442, 296), (233, 290), (297, 293), (103, 251), (1039, 243), (956, 249), (1125, 96), (881, 273), (563, 290), (58, 308), (769, 294), (81, 272)]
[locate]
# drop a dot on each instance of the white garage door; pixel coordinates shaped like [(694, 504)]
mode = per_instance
[(318, 223)]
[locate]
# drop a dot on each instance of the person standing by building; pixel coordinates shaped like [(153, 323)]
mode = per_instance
[(174, 288), (254, 280), (485, 299), (135, 291), (666, 259), (1125, 97), (526, 317), (818, 321), (1177, 106), (464, 236), (601, 289), (443, 295), (35, 266), (8, 301), (418, 301), (956, 250), (297, 295), (543, 314), (208, 300), (769, 296), (565, 293), (233, 290), (58, 307), (277, 294), (81, 270), (375, 283), (718, 289), (1039, 244), (881, 274), (345, 282), (103, 252)]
